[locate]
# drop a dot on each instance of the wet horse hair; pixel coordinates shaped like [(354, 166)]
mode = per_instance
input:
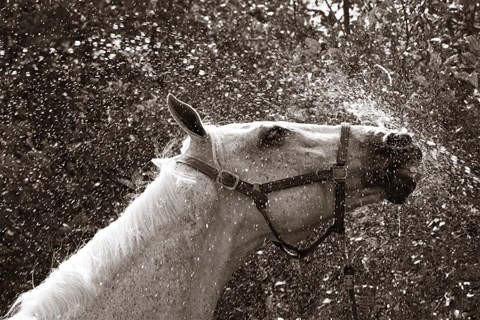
[(79, 279)]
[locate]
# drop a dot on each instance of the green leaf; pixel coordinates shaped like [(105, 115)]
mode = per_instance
[(470, 78), (472, 41), (435, 61), (127, 183), (451, 59)]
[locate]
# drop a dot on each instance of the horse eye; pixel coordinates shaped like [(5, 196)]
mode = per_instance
[(274, 136)]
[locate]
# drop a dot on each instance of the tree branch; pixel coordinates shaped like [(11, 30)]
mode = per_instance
[(295, 11), (346, 16), (405, 17)]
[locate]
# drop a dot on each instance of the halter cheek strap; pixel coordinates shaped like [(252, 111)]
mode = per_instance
[(259, 192), (340, 177)]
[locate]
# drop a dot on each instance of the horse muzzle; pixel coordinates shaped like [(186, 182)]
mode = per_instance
[(402, 174)]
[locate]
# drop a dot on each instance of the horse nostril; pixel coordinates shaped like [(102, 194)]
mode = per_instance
[(398, 140)]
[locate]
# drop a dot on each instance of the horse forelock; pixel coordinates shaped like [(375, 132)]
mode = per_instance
[(77, 280)]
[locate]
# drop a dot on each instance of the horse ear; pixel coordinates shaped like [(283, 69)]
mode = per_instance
[(186, 116)]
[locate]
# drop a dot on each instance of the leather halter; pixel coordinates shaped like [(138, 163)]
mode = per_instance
[(259, 192)]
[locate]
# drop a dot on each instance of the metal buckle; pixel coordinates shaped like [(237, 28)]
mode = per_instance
[(225, 176), (339, 173)]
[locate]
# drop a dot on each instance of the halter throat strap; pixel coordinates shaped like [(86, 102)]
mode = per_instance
[(259, 192)]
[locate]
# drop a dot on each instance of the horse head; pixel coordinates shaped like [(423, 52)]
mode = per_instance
[(377, 164)]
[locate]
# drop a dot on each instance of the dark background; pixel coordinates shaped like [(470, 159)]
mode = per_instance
[(82, 109)]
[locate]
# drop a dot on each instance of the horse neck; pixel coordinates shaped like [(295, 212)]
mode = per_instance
[(169, 267), (182, 270), (178, 276)]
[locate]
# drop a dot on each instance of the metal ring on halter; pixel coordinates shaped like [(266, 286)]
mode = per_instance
[(224, 178)]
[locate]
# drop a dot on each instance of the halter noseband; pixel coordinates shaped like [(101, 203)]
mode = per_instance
[(259, 192)]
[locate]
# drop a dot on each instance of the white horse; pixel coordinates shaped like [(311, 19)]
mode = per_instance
[(173, 249)]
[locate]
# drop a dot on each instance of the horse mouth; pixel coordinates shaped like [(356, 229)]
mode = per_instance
[(401, 175), (400, 183)]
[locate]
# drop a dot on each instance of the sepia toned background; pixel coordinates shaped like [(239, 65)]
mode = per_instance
[(82, 110)]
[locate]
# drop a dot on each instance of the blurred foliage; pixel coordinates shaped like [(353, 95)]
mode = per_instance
[(424, 55), (82, 112)]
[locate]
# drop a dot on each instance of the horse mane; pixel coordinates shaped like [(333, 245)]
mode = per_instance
[(77, 280)]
